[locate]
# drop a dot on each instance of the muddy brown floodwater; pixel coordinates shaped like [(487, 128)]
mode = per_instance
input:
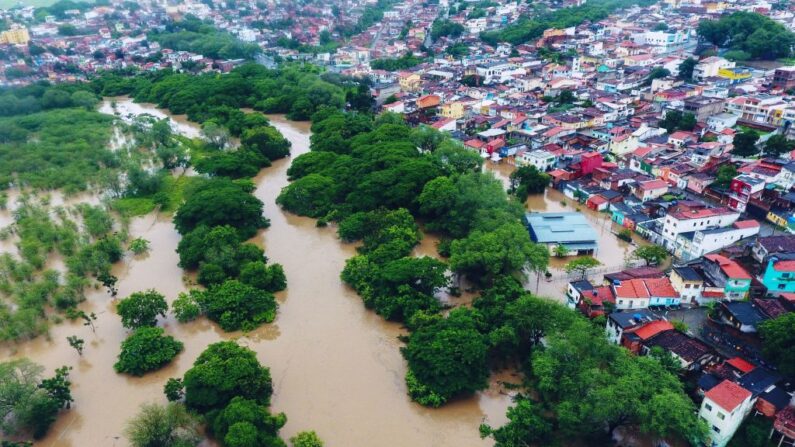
[(336, 366), (612, 252)]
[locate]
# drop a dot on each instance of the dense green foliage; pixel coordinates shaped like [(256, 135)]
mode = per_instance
[(222, 372), (447, 358), (385, 275), (163, 426), (63, 148), (235, 305), (745, 143), (778, 144), (29, 404), (446, 28), (306, 439), (676, 120), (408, 60), (724, 175), (221, 202), (778, 337), (652, 254), (526, 426), (245, 422), (147, 349), (528, 180), (33, 289), (374, 180), (295, 90), (606, 387), (755, 34), (686, 69), (141, 309), (526, 29), (191, 34)]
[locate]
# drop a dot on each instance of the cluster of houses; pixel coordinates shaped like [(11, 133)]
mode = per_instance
[(732, 386)]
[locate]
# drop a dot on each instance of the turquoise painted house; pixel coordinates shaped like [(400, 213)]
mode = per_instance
[(779, 274), (732, 276)]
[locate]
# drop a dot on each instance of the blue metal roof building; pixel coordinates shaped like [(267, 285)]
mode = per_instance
[(568, 229)]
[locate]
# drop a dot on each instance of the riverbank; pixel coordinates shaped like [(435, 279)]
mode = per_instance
[(336, 366)]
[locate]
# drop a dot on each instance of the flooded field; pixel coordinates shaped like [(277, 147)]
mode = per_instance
[(336, 366)]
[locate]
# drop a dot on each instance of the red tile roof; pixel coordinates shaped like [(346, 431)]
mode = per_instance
[(741, 364), (728, 395), (712, 294), (649, 330), (784, 266), (701, 213), (654, 184), (732, 269), (634, 288), (660, 287), (742, 224)]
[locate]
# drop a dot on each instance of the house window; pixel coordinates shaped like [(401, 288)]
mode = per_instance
[(715, 429), (721, 416), (708, 407), (620, 301), (781, 286), (687, 286)]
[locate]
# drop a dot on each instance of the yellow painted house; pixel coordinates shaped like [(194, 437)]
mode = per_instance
[(453, 110), (409, 82), (734, 74), (777, 219), (15, 36)]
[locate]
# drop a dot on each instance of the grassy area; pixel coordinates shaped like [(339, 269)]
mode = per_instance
[(168, 198), (742, 128)]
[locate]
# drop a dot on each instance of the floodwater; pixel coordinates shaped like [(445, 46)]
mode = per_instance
[(124, 107), (612, 252), (336, 366)]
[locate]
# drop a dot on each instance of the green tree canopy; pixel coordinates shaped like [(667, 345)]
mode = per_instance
[(235, 305), (163, 425), (652, 254), (223, 371), (447, 358), (147, 349), (483, 256), (778, 338), (221, 202), (141, 309), (745, 143)]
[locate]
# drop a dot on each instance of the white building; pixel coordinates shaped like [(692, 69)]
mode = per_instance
[(723, 409), (664, 40), (692, 245), (721, 121), (685, 221), (709, 67), (541, 159)]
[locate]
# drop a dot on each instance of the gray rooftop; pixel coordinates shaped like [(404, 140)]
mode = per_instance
[(560, 228)]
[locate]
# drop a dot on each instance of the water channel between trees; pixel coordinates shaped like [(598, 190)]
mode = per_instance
[(336, 366)]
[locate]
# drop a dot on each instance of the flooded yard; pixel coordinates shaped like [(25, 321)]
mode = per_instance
[(336, 366)]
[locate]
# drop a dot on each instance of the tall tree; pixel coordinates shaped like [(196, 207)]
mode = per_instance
[(745, 143), (141, 309)]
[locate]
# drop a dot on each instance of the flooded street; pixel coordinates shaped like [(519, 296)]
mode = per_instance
[(612, 252), (336, 366)]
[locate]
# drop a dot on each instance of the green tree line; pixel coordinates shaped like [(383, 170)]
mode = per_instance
[(528, 28), (749, 32)]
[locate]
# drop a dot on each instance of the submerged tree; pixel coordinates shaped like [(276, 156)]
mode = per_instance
[(164, 426)]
